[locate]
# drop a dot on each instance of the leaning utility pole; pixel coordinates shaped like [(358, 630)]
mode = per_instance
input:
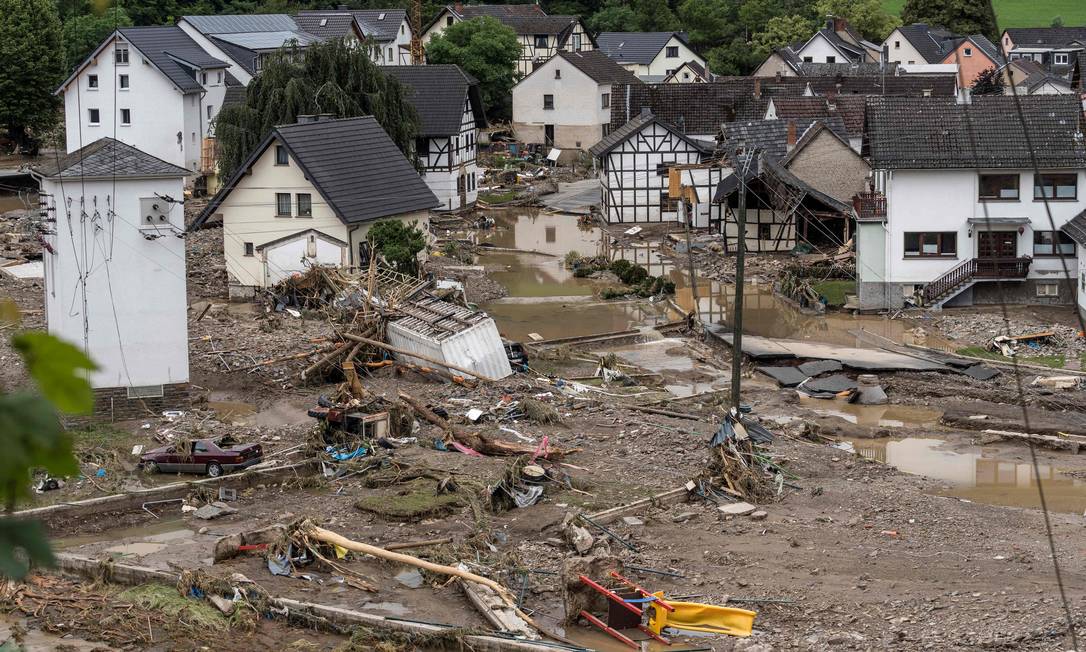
[(740, 253)]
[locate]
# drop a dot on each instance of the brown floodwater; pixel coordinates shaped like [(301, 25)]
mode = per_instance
[(17, 201), (893, 416), (541, 288), (973, 474)]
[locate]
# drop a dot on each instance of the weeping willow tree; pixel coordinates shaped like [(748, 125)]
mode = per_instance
[(331, 78)]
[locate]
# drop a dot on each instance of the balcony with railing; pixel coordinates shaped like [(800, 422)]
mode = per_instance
[(870, 206)]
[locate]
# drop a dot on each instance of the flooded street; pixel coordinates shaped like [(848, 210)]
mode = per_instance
[(972, 474), (545, 298)]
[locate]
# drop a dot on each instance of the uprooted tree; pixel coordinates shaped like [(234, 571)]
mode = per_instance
[(32, 436), (326, 78)]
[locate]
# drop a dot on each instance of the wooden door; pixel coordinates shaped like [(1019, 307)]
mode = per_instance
[(997, 244)]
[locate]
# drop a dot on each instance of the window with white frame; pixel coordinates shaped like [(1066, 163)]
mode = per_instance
[(1059, 58), (94, 117), (305, 204), (281, 157), (120, 55), (1052, 243), (282, 204), (92, 82), (126, 117), (210, 112), (672, 52), (1048, 289), (967, 52), (122, 81)]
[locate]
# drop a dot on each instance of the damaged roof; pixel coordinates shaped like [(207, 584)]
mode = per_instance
[(1076, 228), (850, 108), (935, 132), (771, 136), (107, 157), (438, 93), (352, 162)]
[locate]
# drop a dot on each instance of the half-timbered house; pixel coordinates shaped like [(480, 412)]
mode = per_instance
[(541, 35), (633, 163), (450, 111)]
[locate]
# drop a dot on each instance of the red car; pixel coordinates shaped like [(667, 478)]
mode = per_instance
[(210, 456)]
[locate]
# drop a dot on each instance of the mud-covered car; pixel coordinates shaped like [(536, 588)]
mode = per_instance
[(211, 456)]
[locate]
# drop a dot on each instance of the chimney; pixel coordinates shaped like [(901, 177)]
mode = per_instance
[(757, 88), (791, 135), (459, 7), (839, 24), (831, 23), (780, 75)]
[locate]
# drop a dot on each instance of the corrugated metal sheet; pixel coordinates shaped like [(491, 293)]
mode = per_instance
[(450, 333)]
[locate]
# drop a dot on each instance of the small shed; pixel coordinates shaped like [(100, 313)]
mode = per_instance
[(450, 333)]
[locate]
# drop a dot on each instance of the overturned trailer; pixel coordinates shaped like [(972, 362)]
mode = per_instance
[(453, 334)]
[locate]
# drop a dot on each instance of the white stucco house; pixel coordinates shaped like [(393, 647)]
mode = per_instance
[(308, 194), (386, 31), (244, 41), (450, 111), (956, 205), (837, 42), (566, 102), (541, 35), (153, 88), (652, 56), (115, 273)]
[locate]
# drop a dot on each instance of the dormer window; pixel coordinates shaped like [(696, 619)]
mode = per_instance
[(1059, 58), (120, 55)]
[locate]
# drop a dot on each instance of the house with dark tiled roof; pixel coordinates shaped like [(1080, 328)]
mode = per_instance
[(308, 195), (690, 72), (566, 102), (245, 41), (837, 42), (387, 32), (450, 111), (541, 35), (124, 205), (957, 204), (652, 56), (151, 87), (1053, 46), (849, 108)]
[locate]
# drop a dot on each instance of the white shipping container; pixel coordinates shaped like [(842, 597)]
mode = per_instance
[(469, 339)]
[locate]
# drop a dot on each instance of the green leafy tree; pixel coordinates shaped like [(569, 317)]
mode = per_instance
[(710, 23), (82, 34), (488, 51), (865, 16), (615, 16), (32, 437), (398, 243), (988, 82), (329, 77), (958, 16), (734, 58), (654, 16), (33, 66), (781, 31)]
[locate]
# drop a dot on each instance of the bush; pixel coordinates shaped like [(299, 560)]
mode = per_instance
[(635, 275), (620, 267), (583, 272), (571, 259)]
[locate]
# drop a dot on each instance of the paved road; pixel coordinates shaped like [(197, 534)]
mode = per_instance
[(574, 197)]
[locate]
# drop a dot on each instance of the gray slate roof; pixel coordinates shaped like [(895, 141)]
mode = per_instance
[(326, 24), (842, 69), (267, 40), (635, 47), (164, 46), (930, 42), (244, 57), (1076, 228), (240, 24), (378, 28), (600, 67), (522, 21), (771, 136), (932, 132), (107, 157), (353, 164), (620, 135), (438, 92), (1046, 36)]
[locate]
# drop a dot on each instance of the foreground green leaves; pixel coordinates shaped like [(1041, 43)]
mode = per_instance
[(55, 366)]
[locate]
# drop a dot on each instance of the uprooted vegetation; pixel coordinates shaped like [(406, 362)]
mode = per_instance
[(636, 279)]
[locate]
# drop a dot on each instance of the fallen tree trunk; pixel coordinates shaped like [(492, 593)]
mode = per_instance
[(475, 440), (396, 349)]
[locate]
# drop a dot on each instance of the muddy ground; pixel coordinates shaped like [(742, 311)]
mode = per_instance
[(949, 552)]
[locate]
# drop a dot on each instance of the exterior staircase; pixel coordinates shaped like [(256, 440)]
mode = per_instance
[(936, 293)]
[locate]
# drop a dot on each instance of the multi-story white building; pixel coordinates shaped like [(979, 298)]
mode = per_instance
[(566, 102), (115, 272), (386, 31), (957, 205), (541, 35), (652, 56), (450, 111), (151, 87)]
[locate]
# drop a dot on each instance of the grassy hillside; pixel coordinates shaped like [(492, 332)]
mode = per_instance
[(1025, 13)]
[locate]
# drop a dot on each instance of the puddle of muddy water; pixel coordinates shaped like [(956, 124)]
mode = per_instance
[(974, 475), (893, 416), (156, 533), (230, 411)]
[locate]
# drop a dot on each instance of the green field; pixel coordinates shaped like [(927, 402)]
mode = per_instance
[(1024, 13)]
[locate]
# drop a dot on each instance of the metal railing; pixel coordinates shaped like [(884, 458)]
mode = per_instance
[(869, 205), (972, 269)]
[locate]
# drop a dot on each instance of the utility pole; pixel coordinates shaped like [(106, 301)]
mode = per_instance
[(740, 254), (687, 217), (418, 55)]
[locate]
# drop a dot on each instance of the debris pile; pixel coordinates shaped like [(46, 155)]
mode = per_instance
[(1032, 338), (740, 466)]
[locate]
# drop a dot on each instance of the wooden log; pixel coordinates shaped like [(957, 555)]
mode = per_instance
[(285, 358), (338, 351), (671, 497), (666, 413), (418, 544), (394, 349)]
